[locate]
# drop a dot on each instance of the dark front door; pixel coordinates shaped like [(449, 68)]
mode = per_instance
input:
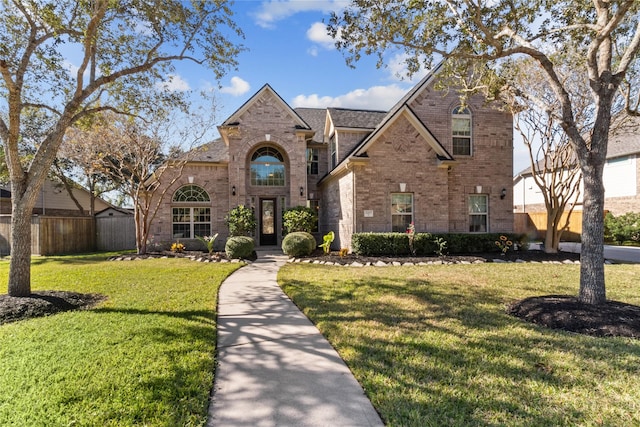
[(268, 223)]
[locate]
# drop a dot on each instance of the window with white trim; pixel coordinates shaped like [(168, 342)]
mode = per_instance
[(312, 161), (333, 147), (191, 212), (461, 131), (401, 211), (478, 213)]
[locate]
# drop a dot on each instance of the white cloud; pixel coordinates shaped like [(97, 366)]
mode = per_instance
[(397, 67), (374, 98), (238, 87), (317, 33), (175, 83), (276, 10)]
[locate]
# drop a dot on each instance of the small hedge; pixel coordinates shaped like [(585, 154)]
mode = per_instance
[(298, 243), (394, 244), (239, 247)]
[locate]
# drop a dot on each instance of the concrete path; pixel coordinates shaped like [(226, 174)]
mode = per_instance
[(613, 253), (274, 367)]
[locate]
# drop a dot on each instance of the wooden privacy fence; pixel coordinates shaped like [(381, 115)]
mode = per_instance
[(115, 233), (535, 225), (65, 235), (53, 235)]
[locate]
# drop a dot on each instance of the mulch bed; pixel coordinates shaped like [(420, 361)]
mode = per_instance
[(553, 311), (44, 303), (611, 319)]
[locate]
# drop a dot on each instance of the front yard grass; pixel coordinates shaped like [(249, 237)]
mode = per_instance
[(145, 356), (432, 345)]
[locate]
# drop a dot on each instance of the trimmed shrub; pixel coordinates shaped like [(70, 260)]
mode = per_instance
[(299, 218), (239, 247), (622, 228), (298, 243), (241, 221), (426, 244)]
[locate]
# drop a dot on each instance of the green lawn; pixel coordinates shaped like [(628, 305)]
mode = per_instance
[(143, 357), (432, 345)]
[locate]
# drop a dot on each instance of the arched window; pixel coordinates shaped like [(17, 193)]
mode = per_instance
[(191, 193), (191, 212), (461, 131), (267, 168)]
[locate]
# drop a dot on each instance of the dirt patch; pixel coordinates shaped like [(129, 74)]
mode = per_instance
[(44, 303), (611, 319)]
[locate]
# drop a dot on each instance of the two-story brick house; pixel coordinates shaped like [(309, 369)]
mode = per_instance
[(429, 160)]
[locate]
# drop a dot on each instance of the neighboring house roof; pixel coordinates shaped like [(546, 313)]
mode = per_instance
[(53, 195), (623, 141), (114, 209), (626, 140)]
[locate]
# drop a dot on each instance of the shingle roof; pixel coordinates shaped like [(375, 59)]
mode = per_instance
[(214, 151), (315, 118), (625, 140), (358, 119)]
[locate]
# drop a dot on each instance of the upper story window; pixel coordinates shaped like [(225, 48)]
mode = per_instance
[(334, 151), (312, 161), (461, 131), (267, 168)]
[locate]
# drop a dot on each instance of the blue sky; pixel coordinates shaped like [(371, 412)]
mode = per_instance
[(288, 47)]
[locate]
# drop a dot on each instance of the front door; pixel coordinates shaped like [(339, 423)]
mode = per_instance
[(268, 223)]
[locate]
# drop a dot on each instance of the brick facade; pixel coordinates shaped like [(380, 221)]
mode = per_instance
[(410, 146)]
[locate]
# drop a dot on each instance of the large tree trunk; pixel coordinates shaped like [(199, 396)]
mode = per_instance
[(20, 264), (592, 285)]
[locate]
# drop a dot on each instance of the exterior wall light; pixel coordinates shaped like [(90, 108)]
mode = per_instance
[(233, 190), (503, 193), (301, 191)]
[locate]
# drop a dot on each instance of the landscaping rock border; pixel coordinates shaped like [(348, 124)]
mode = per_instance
[(397, 263), (193, 256)]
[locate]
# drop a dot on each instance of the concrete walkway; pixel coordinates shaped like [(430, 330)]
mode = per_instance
[(274, 367), (613, 253)]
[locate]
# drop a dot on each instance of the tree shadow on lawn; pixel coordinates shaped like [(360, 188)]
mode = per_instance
[(429, 370)]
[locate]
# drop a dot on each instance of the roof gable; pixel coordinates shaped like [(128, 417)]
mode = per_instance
[(410, 116), (265, 90)]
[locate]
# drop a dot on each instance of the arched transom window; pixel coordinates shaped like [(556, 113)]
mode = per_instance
[(191, 193), (461, 130), (189, 217), (267, 168)]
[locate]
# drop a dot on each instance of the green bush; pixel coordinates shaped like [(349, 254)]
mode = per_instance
[(241, 221), (622, 228), (299, 218), (298, 243), (239, 247), (427, 244)]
